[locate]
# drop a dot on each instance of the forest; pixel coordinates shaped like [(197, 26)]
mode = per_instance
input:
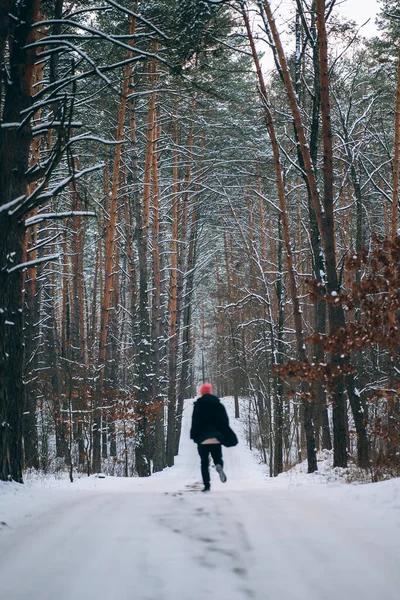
[(197, 190)]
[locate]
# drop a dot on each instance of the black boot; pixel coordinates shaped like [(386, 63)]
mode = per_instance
[(221, 473)]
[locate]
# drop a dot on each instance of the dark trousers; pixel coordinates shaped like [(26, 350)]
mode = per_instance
[(216, 453)]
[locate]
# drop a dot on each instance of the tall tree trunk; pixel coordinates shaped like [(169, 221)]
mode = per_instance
[(336, 313), (172, 300), (31, 311), (187, 343), (300, 342), (181, 269), (159, 438), (131, 269), (144, 378), (393, 375), (278, 387), (4, 29), (31, 308), (396, 158), (14, 160), (320, 409), (109, 249), (232, 351)]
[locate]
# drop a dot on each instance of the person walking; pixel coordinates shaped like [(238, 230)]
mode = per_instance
[(210, 430)]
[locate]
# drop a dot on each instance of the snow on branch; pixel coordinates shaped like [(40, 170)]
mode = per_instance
[(25, 203), (139, 18), (93, 138), (65, 182), (45, 242), (96, 33), (276, 207), (45, 126), (12, 203), (33, 263), (71, 213)]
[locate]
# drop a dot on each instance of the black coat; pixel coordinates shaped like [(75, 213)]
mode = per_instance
[(211, 420)]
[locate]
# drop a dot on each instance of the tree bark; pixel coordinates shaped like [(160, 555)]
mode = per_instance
[(109, 251), (144, 379), (181, 269), (300, 342), (159, 438), (14, 161), (336, 313), (187, 342), (172, 301), (396, 158)]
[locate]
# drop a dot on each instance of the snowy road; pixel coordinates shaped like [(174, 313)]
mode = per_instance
[(158, 539)]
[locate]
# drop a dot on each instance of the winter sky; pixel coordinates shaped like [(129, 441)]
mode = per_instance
[(360, 11)]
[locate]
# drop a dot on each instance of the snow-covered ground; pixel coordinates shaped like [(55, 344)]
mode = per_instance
[(291, 538)]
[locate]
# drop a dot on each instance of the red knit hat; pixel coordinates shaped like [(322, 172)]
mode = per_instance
[(206, 388)]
